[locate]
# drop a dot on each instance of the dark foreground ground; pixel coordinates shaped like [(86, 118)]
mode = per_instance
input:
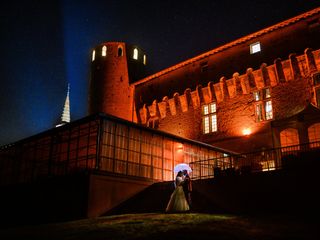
[(172, 226)]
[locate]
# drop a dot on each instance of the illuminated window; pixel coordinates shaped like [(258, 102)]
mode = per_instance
[(259, 114), (104, 51), (255, 47), (256, 96), (209, 119), (266, 93), (135, 54), (205, 109), (268, 165), (289, 137), (93, 55), (263, 105), (213, 119), (144, 59), (120, 51), (268, 109), (206, 125), (314, 134), (316, 83)]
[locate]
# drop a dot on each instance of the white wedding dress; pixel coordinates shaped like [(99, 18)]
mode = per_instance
[(178, 202)]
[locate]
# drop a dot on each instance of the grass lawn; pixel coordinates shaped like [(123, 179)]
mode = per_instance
[(171, 226)]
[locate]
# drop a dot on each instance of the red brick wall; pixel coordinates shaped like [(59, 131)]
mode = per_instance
[(291, 91), (276, 43)]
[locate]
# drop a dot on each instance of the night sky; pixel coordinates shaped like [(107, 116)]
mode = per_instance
[(47, 44)]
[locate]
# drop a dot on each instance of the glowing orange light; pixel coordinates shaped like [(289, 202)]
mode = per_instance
[(246, 131), (180, 147)]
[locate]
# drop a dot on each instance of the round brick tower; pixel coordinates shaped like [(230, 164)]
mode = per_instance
[(114, 65)]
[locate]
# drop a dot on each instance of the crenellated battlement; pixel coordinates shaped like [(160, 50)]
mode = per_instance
[(281, 71)]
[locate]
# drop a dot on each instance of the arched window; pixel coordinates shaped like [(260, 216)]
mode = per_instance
[(289, 137), (135, 54), (104, 51), (314, 134), (93, 55), (144, 59), (120, 52)]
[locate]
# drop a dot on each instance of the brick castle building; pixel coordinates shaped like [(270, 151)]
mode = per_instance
[(259, 93), (232, 96)]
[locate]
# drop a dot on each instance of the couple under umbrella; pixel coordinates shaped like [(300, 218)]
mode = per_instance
[(180, 199)]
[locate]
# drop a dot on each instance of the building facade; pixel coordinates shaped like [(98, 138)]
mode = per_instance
[(231, 97), (257, 93)]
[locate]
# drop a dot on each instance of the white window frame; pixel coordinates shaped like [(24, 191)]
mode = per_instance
[(93, 55), (135, 54), (144, 59), (209, 118), (104, 51), (255, 47)]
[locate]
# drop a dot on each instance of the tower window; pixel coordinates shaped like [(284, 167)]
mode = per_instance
[(209, 118), (104, 51), (144, 59), (135, 54), (120, 52), (255, 47), (93, 55)]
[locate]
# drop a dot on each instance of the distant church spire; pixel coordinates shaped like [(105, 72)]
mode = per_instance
[(65, 118)]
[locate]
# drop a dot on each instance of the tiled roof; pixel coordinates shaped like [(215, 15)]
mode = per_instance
[(231, 44)]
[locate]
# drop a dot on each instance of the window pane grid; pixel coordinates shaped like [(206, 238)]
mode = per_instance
[(205, 110), (206, 125), (213, 108), (209, 118), (213, 123)]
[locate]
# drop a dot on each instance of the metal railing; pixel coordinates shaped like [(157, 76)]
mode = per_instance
[(265, 160)]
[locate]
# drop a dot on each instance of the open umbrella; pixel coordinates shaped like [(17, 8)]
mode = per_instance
[(181, 167)]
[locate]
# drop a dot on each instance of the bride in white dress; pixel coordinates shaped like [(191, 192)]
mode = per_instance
[(178, 202)]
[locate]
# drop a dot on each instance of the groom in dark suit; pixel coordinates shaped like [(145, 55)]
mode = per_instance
[(187, 187)]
